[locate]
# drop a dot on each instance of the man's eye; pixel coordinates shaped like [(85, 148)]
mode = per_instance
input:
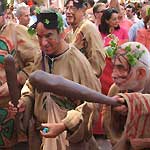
[(48, 35)]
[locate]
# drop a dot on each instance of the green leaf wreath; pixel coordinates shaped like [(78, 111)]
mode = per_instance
[(132, 57), (60, 26)]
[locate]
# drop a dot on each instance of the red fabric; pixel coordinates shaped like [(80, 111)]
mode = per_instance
[(121, 33), (106, 82), (138, 119), (126, 24), (98, 129), (143, 36), (30, 3), (106, 79)]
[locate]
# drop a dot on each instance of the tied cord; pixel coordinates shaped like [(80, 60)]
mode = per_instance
[(51, 59), (50, 62)]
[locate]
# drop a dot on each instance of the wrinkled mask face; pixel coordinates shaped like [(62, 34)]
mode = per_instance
[(123, 74)]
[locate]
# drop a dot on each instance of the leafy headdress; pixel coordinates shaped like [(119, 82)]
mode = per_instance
[(50, 19), (131, 56)]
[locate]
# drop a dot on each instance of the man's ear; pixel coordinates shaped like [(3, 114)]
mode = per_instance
[(141, 73)]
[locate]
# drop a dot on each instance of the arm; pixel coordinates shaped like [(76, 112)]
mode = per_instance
[(90, 37), (52, 83), (96, 53), (93, 47)]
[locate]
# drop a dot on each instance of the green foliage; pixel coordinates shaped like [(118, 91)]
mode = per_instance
[(46, 21), (131, 59), (138, 46), (132, 56), (60, 22), (128, 48), (31, 31), (5, 4), (38, 11), (111, 50), (149, 12)]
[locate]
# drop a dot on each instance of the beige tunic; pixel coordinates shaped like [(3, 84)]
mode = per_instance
[(24, 48), (135, 126), (91, 45), (109, 122), (77, 117)]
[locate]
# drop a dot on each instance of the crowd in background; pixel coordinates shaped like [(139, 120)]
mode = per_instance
[(131, 16), (121, 21)]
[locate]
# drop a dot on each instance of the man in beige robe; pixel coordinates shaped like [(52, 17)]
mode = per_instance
[(129, 75), (135, 126), (61, 58), (85, 35)]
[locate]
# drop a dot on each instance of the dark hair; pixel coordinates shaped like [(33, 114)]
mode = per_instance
[(91, 2), (3, 7), (146, 19), (96, 6), (131, 6), (102, 1), (32, 9), (104, 27), (50, 19), (78, 3)]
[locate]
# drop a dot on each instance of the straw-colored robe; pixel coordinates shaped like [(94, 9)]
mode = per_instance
[(48, 107), (92, 47), (23, 47), (116, 126)]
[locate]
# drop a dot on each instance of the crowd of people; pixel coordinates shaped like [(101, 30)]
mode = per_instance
[(104, 46)]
